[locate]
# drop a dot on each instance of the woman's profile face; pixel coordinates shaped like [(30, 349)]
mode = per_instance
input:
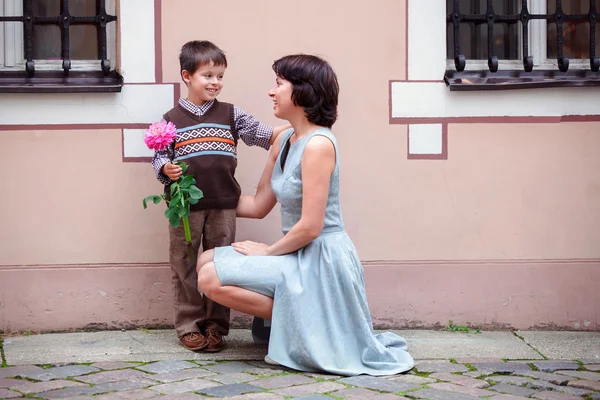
[(281, 94)]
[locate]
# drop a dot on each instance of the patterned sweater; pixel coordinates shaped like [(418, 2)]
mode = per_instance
[(207, 143)]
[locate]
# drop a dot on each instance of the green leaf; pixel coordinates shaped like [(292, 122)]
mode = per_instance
[(181, 211), (195, 193), (183, 166), (176, 200), (153, 198), (186, 182), (172, 217), (174, 187), (192, 200)]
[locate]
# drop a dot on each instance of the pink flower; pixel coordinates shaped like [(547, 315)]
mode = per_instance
[(160, 135)]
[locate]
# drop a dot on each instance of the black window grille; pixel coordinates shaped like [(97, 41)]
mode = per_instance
[(64, 21), (490, 18)]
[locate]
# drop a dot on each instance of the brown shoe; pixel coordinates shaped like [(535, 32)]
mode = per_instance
[(215, 341), (194, 341)]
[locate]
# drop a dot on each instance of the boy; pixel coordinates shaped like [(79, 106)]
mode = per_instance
[(207, 136)]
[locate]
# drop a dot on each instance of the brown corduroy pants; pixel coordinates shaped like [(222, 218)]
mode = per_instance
[(193, 311)]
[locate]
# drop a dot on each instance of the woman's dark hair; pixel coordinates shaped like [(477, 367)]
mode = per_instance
[(197, 53), (314, 86)]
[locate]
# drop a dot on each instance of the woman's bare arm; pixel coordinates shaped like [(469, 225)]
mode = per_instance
[(262, 202)]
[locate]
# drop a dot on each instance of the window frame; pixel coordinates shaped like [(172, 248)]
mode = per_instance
[(47, 72), (546, 72)]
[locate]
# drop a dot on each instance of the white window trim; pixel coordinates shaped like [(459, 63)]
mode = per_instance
[(538, 45), (11, 43)]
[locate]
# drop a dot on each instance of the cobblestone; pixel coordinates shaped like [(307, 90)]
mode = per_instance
[(304, 390), (512, 389), (380, 384), (460, 380), (248, 380), (551, 366), (191, 385), (9, 394), (551, 395), (39, 387), (167, 366), (587, 375), (545, 376), (230, 390), (592, 367)]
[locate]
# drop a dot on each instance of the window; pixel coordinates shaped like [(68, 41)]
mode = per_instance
[(559, 39), (58, 45)]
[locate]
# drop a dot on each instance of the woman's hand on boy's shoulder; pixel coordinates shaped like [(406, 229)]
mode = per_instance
[(277, 130)]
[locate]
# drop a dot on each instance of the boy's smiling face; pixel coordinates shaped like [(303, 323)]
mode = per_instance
[(205, 83)]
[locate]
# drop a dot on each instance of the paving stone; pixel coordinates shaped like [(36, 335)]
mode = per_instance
[(167, 366), (229, 367), (542, 385), (181, 375), (70, 392), (381, 384), (113, 376), (365, 394), (228, 379), (180, 396), (264, 371), (592, 367), (552, 365), (460, 380), (39, 387), (127, 395), (471, 391), (112, 365), (417, 380), (508, 397), (230, 390), (511, 380), (327, 377), (18, 371), (472, 360), (590, 385), (6, 383), (434, 394), (282, 381), (512, 389), (595, 396), (129, 384), (59, 372), (314, 397), (191, 385), (545, 376), (503, 367), (551, 395), (9, 394), (440, 367), (587, 375), (315, 388), (477, 374), (256, 396)]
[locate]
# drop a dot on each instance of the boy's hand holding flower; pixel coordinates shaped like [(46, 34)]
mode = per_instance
[(173, 171)]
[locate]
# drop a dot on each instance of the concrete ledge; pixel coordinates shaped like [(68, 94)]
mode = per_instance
[(157, 345)]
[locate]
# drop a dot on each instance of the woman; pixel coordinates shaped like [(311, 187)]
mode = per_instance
[(310, 282)]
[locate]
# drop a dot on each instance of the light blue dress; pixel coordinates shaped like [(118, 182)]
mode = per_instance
[(321, 320)]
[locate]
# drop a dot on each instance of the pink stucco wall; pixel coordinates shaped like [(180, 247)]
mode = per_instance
[(501, 234)]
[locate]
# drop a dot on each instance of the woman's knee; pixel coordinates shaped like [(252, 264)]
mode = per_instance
[(204, 258), (207, 278)]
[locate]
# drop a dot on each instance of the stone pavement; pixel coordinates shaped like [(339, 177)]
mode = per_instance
[(150, 364)]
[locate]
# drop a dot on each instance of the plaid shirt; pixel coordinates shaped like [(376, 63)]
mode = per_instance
[(249, 129)]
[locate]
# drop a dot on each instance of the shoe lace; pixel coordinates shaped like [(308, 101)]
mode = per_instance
[(193, 336), (214, 334)]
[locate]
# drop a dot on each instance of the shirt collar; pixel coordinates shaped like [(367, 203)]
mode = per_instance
[(195, 109)]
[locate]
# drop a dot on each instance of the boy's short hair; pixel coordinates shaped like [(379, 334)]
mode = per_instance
[(197, 53), (314, 86)]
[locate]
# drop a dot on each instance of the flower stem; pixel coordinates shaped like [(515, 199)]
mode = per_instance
[(188, 238)]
